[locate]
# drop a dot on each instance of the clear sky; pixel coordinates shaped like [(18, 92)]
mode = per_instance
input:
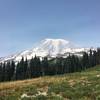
[(25, 22)]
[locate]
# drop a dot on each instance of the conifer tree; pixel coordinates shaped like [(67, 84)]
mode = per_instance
[(25, 67), (45, 65), (37, 67), (20, 70), (90, 58), (17, 71), (59, 66), (94, 58), (12, 70), (31, 67), (69, 67), (1, 72), (85, 60), (98, 56)]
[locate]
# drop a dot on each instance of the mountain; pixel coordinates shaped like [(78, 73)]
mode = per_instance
[(48, 48)]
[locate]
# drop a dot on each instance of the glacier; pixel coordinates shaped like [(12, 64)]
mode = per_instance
[(50, 48)]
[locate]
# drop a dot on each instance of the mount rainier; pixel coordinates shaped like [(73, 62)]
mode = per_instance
[(50, 48)]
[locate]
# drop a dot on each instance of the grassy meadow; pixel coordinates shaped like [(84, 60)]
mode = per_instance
[(83, 85)]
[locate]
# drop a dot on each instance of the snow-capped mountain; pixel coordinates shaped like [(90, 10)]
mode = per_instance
[(50, 48)]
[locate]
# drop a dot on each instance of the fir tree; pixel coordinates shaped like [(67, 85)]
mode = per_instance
[(85, 60), (45, 65), (12, 70), (1, 73)]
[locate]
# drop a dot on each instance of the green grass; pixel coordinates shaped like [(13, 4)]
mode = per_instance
[(74, 86)]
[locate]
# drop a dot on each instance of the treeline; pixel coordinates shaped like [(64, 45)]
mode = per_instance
[(35, 67)]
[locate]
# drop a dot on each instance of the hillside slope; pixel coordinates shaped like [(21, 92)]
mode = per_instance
[(75, 86)]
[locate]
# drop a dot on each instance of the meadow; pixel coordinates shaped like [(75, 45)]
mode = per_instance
[(83, 85)]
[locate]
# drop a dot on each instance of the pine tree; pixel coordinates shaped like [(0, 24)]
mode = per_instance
[(20, 70), (12, 70), (59, 66), (1, 72), (17, 72), (31, 67), (7, 72), (85, 60), (98, 56), (69, 67), (94, 58), (65, 65), (73, 64), (91, 58), (77, 64), (37, 66), (45, 66), (25, 67)]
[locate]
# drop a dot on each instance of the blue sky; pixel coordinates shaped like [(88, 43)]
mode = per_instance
[(25, 22)]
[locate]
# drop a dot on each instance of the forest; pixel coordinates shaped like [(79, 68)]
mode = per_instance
[(27, 69)]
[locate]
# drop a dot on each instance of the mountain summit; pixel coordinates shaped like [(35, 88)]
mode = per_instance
[(54, 46), (48, 48)]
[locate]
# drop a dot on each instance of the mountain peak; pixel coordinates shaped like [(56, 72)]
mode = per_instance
[(51, 47), (56, 40)]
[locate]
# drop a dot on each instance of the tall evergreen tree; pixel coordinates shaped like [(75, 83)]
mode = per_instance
[(59, 66), (20, 70), (94, 58), (37, 66), (69, 66), (85, 61), (7, 72), (98, 56), (44, 66), (66, 65), (12, 70), (31, 67), (1, 73), (25, 67), (90, 58)]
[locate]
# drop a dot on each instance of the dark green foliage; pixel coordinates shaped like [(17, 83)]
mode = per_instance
[(59, 65), (98, 56), (94, 58), (45, 67), (90, 58), (35, 67), (12, 70), (31, 67), (7, 71), (85, 60), (1, 73), (21, 69)]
